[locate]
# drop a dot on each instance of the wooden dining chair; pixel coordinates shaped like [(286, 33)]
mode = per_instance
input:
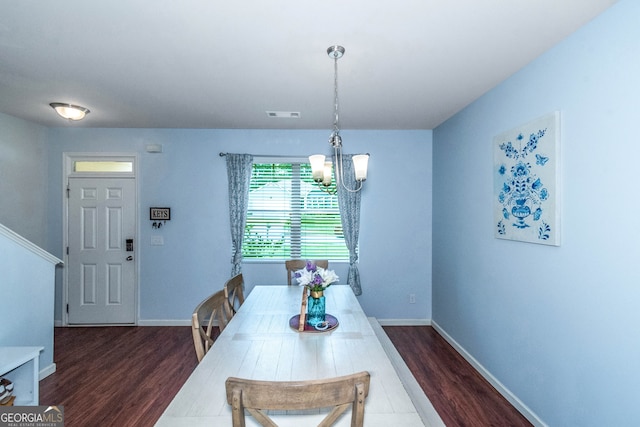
[(293, 265), (214, 308), (260, 396), (234, 293)]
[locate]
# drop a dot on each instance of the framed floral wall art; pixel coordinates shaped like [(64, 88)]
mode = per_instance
[(526, 187)]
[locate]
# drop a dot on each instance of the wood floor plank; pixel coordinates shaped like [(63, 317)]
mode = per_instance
[(127, 376)]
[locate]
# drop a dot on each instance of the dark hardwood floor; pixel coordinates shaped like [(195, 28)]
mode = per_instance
[(126, 376), (117, 376), (460, 395)]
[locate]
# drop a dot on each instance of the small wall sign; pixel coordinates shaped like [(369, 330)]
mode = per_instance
[(159, 214)]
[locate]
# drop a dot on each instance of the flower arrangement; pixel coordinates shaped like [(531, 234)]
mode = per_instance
[(315, 278)]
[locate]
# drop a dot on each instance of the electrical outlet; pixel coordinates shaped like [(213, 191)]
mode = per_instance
[(412, 298)]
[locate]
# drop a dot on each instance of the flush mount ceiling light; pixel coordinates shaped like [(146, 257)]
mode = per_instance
[(69, 112), (321, 170)]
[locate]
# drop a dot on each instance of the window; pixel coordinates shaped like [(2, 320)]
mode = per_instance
[(102, 166), (290, 217), (115, 165)]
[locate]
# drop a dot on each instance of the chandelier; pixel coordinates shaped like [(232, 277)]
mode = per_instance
[(321, 169)]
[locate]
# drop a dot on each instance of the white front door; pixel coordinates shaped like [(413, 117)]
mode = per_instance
[(101, 260)]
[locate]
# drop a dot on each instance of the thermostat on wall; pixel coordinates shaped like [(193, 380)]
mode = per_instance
[(154, 148)]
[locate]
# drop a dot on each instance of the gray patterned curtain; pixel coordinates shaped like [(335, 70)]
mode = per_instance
[(239, 173), (349, 203)]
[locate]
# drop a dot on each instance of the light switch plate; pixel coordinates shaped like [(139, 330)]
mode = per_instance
[(157, 240)]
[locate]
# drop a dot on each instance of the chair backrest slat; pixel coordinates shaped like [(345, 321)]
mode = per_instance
[(260, 396), (234, 292)]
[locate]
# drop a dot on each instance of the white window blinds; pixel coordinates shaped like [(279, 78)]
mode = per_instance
[(290, 217)]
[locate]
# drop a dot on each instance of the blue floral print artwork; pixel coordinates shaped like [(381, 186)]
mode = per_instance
[(526, 191), (541, 160)]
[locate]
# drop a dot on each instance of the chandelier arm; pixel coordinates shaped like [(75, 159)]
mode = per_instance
[(350, 190), (340, 173), (353, 191), (327, 189)]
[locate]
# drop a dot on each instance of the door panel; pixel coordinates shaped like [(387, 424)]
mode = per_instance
[(101, 277)]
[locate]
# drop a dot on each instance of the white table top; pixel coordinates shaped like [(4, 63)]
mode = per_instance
[(258, 343)]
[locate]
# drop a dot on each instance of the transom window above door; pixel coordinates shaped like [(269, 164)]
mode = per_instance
[(103, 166), (100, 165)]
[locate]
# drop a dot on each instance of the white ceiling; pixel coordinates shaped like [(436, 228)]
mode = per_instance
[(409, 64)]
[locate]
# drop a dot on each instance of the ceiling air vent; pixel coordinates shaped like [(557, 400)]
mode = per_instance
[(284, 114)]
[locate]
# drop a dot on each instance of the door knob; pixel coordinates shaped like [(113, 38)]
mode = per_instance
[(130, 258)]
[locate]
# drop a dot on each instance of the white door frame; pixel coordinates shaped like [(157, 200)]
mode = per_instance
[(68, 160)]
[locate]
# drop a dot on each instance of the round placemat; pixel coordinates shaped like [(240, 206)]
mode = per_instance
[(295, 321)]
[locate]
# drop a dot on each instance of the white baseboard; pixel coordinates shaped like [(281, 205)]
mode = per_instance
[(158, 322), (45, 372), (504, 391), (152, 322), (404, 322)]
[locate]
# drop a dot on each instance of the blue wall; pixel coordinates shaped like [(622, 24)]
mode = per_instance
[(23, 178), (557, 326), (191, 178)]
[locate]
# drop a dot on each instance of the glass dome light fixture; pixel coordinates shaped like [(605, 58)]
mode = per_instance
[(321, 170), (69, 111)]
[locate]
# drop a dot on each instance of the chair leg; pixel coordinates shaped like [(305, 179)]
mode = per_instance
[(237, 411), (357, 417)]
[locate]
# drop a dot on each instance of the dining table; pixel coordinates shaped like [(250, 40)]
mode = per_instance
[(262, 342)]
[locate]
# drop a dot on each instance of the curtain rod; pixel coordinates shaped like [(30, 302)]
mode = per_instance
[(279, 156), (268, 155)]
